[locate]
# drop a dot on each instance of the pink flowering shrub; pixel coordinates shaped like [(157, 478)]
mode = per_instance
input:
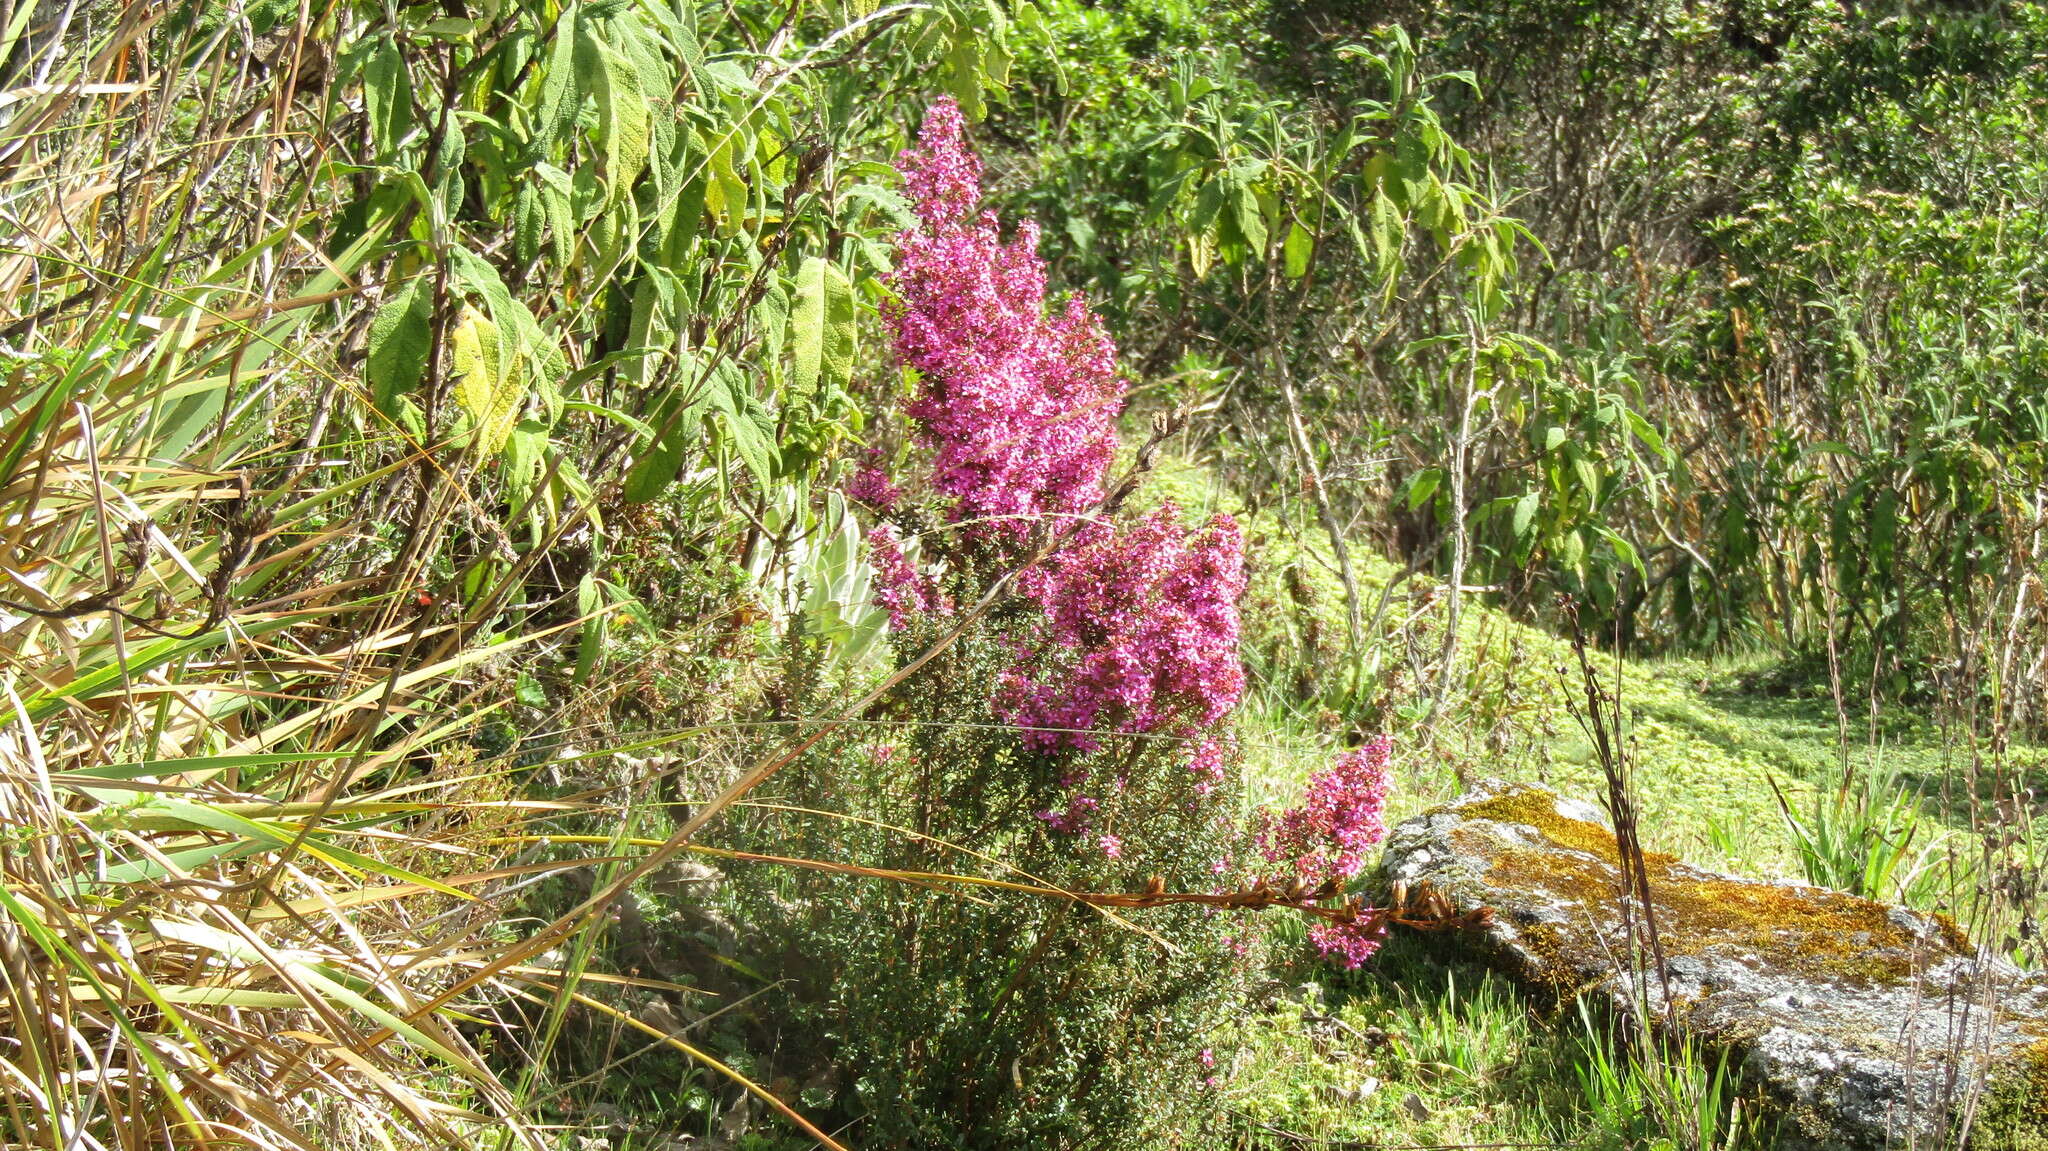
[(1135, 628), (1073, 728)]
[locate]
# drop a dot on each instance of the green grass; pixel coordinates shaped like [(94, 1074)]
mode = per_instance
[(1421, 1050)]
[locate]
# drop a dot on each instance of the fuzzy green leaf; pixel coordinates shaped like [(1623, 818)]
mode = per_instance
[(400, 339), (822, 330)]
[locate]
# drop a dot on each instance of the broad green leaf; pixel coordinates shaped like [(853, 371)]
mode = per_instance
[(524, 451), (677, 426), (1525, 514), (561, 91), (627, 126), (488, 382), (822, 329), (401, 337), (1648, 434), (1423, 486), (1571, 550), (1626, 552), (557, 200), (525, 343), (771, 318), (1386, 235), (1297, 250), (590, 645), (387, 98), (745, 424), (1250, 220), (1588, 473), (963, 73)]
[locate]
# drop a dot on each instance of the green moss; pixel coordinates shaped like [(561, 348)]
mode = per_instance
[(2015, 1110)]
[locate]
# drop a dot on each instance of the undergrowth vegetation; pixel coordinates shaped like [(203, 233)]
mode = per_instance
[(625, 572)]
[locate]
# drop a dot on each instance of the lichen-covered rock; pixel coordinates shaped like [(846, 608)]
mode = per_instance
[(1872, 1025)]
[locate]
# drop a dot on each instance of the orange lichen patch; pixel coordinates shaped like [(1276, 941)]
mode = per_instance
[(1816, 932), (1535, 809), (1952, 933)]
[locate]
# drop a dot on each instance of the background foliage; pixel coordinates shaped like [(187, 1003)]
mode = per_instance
[(424, 431)]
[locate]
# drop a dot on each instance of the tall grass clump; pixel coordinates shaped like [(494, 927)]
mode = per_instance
[(345, 348), (214, 925)]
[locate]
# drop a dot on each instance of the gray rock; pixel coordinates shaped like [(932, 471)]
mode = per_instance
[(1873, 1026)]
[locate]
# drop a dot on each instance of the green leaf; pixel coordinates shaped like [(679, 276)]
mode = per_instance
[(771, 318), (1626, 553), (627, 127), (675, 418), (822, 330), (1589, 478), (963, 73), (387, 98), (537, 354), (639, 427), (1525, 514), (529, 692), (1648, 434), (1386, 236), (401, 338), (561, 94), (745, 424), (590, 643), (524, 452), (1571, 550), (556, 193), (529, 222), (488, 382), (1297, 249), (1251, 222), (1423, 486)]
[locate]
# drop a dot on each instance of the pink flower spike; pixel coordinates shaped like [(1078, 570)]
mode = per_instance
[(1017, 401), (1340, 818)]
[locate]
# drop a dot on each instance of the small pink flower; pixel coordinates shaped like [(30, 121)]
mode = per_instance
[(902, 590), (1208, 1058), (1111, 846)]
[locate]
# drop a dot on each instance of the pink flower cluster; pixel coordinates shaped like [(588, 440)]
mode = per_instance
[(871, 485), (1341, 817), (1339, 820), (1140, 635), (903, 591), (1348, 945), (1017, 402)]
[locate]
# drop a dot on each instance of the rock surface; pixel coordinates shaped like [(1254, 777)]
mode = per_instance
[(1869, 1024)]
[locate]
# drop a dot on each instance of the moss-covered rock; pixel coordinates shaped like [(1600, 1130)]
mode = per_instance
[(1873, 1025)]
